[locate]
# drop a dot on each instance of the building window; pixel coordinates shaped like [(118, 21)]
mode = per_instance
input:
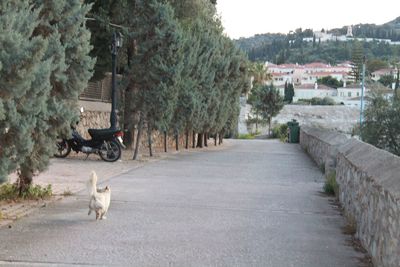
[(358, 94), (349, 94)]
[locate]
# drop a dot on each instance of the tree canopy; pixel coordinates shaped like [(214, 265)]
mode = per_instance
[(45, 66)]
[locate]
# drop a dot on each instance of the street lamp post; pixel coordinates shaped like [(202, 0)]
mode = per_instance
[(362, 96), (115, 45)]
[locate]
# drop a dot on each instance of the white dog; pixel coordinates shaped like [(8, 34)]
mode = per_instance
[(99, 198)]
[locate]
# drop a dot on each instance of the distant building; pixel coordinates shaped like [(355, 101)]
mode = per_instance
[(306, 74), (349, 31), (376, 75), (323, 36)]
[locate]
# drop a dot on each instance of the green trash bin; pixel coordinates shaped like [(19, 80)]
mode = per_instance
[(293, 131)]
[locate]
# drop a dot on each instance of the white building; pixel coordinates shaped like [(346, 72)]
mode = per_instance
[(376, 75), (306, 74), (308, 91)]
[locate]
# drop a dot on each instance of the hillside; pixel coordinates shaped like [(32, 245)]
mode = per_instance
[(291, 48)]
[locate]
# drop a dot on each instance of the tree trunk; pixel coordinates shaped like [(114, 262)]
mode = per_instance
[(139, 135), (205, 139), (129, 135), (187, 140), (165, 141), (256, 122), (221, 137), (215, 139), (194, 140), (25, 179), (269, 126), (199, 140), (149, 139), (177, 141)]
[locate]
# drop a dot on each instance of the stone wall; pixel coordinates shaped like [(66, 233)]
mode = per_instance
[(369, 189), (322, 145)]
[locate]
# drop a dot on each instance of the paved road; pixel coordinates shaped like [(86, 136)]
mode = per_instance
[(257, 203)]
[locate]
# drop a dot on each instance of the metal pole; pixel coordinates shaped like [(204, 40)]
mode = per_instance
[(113, 115), (362, 96)]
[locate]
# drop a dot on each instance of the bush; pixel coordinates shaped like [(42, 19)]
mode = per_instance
[(11, 192), (326, 101), (280, 132)]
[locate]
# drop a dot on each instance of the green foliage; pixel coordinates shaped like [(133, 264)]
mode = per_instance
[(185, 75), (376, 64), (246, 136), (12, 192), (260, 73), (289, 93), (381, 125), (290, 48), (45, 66), (326, 101), (266, 102), (331, 187), (330, 81), (24, 82), (357, 59), (387, 80), (280, 131)]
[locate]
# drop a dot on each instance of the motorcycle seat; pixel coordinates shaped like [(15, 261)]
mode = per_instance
[(102, 133)]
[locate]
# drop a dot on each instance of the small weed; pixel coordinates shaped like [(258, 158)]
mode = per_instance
[(11, 192), (67, 193), (331, 187)]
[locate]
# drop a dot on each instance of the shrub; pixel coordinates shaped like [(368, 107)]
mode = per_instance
[(280, 132), (331, 187), (11, 192), (326, 101)]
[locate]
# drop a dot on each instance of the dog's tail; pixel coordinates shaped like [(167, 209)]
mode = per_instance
[(92, 184)]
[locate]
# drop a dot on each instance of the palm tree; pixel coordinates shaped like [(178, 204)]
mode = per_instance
[(260, 73)]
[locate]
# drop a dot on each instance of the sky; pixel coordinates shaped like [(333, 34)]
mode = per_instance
[(244, 18)]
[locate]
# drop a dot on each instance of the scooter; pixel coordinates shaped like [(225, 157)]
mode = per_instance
[(106, 143)]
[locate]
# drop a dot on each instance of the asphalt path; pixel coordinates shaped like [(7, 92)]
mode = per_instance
[(255, 203)]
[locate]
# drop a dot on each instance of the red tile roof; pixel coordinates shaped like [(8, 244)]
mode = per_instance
[(312, 86)]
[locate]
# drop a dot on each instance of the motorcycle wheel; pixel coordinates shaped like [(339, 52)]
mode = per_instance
[(110, 151), (63, 149)]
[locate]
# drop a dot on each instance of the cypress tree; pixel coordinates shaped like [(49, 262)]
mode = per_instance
[(157, 64), (62, 23), (24, 84)]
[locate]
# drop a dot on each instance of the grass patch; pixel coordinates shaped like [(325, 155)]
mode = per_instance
[(11, 192), (331, 187), (246, 136)]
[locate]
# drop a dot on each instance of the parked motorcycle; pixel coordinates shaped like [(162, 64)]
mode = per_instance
[(106, 143)]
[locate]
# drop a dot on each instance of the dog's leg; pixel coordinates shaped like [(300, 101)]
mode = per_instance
[(89, 212), (97, 214)]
